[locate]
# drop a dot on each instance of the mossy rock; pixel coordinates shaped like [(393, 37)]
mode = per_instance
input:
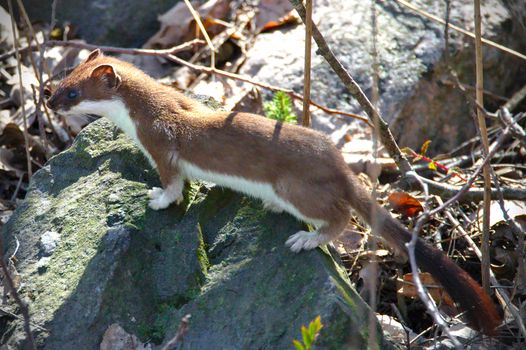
[(218, 256)]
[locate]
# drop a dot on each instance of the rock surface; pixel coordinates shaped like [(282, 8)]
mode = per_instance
[(414, 83), (218, 256), (103, 22)]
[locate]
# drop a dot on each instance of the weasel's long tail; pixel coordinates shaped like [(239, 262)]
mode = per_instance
[(480, 309)]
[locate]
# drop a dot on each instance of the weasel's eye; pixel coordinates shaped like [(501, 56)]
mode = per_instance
[(72, 94)]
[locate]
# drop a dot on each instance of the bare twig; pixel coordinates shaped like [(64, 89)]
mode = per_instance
[(169, 54), (24, 309), (422, 293), (307, 66), (485, 266), (461, 30), (514, 100), (385, 134), (205, 34), (181, 331), (457, 194), (21, 90), (376, 225), (518, 132)]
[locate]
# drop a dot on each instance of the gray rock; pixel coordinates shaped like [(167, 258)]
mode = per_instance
[(48, 242), (218, 256), (104, 22), (413, 95)]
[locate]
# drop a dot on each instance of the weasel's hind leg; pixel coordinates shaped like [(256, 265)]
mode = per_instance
[(273, 207), (303, 240), (306, 240)]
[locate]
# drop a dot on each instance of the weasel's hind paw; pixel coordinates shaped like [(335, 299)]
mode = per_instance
[(305, 240), (159, 203), (155, 192)]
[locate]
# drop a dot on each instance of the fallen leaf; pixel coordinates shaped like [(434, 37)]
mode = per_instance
[(271, 11), (405, 204), (290, 18), (178, 24), (407, 288)]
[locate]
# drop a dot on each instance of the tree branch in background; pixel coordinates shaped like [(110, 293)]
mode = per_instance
[(21, 90), (485, 266), (374, 116), (307, 66), (9, 284), (461, 30)]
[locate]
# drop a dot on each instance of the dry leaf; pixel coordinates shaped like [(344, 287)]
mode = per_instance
[(272, 11), (178, 25), (405, 204), (289, 18), (513, 208), (407, 288)]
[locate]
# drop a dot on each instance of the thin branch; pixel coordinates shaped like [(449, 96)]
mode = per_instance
[(485, 266), (422, 293), (24, 309), (169, 55), (457, 194), (385, 134), (205, 34), (181, 332), (307, 65), (461, 30), (514, 100), (21, 91)]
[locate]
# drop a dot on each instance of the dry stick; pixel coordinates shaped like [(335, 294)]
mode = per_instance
[(205, 34), (422, 292), (459, 193), (169, 55), (485, 266), (514, 100), (506, 120), (375, 225), (21, 91), (502, 294), (385, 134), (24, 309), (181, 331), (461, 30), (307, 65)]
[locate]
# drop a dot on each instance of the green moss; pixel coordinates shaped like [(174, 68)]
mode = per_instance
[(202, 255)]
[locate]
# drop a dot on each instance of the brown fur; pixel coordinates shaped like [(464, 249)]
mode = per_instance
[(302, 165)]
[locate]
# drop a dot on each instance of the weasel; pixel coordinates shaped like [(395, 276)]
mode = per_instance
[(290, 168)]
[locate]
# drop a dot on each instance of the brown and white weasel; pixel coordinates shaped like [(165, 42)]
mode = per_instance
[(288, 167)]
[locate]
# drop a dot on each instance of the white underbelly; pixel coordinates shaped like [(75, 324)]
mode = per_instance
[(261, 190)]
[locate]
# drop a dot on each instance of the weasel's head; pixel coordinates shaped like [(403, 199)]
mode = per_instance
[(94, 80)]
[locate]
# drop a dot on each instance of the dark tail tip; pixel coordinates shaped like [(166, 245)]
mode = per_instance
[(481, 312)]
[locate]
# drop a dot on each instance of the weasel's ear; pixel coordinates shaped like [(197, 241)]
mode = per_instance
[(107, 73), (94, 54)]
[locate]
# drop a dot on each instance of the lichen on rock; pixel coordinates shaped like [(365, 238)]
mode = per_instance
[(218, 256)]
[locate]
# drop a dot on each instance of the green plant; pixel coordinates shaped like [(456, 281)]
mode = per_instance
[(280, 108), (309, 334)]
